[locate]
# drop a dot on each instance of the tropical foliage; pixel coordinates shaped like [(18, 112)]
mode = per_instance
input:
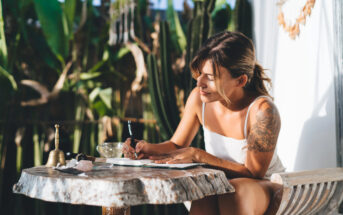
[(90, 69)]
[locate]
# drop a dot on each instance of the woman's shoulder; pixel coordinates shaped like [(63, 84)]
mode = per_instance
[(194, 101), (264, 125), (194, 96), (261, 103), (263, 108)]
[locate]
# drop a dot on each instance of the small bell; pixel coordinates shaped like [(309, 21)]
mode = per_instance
[(56, 156)]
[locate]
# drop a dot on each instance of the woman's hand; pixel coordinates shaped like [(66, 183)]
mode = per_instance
[(142, 149), (184, 155)]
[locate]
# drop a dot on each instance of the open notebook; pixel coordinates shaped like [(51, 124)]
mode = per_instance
[(148, 163)]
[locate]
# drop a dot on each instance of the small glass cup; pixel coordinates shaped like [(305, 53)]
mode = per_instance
[(110, 149)]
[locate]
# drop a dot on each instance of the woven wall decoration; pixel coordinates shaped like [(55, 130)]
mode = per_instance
[(293, 27)]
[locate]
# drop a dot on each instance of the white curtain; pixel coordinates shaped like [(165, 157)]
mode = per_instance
[(266, 34)]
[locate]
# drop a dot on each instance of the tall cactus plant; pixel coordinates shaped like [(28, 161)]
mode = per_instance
[(161, 86), (161, 79), (161, 76), (243, 17), (198, 31)]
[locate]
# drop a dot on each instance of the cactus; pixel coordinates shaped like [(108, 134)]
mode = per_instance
[(161, 86), (178, 38), (198, 32), (243, 17), (161, 79), (161, 76)]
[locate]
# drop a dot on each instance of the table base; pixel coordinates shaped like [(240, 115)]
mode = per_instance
[(115, 211)]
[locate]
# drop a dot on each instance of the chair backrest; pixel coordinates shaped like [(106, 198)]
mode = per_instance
[(310, 192)]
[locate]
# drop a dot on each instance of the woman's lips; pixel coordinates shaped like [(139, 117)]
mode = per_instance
[(203, 93)]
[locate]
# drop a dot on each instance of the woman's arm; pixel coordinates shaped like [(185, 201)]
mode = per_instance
[(264, 124), (264, 130), (182, 137)]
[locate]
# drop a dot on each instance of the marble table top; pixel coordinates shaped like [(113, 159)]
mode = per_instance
[(118, 186)]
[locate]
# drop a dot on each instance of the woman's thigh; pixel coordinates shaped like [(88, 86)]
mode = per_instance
[(251, 197), (205, 206)]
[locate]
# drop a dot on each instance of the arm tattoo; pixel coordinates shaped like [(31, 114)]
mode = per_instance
[(264, 132)]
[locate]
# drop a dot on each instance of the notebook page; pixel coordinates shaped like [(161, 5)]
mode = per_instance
[(148, 163)]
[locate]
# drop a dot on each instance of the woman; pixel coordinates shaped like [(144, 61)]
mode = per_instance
[(240, 122)]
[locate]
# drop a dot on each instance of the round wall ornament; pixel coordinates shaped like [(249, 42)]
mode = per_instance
[(292, 27)]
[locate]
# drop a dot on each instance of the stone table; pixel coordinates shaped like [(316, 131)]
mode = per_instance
[(121, 186)]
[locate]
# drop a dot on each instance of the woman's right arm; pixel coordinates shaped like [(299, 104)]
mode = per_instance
[(182, 137)]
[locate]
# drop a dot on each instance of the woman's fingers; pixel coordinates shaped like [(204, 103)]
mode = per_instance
[(162, 160), (176, 161), (140, 156), (158, 157), (127, 150), (140, 146)]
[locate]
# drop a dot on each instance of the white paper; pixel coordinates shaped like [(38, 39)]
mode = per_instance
[(148, 163)]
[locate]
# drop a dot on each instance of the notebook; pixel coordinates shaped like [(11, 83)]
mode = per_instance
[(149, 163)]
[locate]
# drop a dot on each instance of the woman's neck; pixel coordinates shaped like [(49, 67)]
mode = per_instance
[(239, 100)]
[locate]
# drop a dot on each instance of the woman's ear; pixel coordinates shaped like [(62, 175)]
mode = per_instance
[(242, 80)]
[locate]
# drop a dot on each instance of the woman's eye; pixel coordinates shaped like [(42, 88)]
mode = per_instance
[(210, 78)]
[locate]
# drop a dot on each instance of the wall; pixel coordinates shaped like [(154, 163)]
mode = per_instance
[(302, 72)]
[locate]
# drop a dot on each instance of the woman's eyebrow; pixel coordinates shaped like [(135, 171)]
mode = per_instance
[(208, 74)]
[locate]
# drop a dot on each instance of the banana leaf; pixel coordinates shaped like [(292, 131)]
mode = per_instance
[(69, 10), (54, 25)]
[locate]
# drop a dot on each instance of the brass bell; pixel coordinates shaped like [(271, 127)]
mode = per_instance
[(56, 156)]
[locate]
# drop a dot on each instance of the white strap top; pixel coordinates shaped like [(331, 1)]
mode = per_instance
[(232, 149)]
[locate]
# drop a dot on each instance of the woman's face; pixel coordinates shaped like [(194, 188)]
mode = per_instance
[(208, 85)]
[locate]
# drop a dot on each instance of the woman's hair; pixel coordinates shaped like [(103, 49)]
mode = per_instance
[(235, 52)]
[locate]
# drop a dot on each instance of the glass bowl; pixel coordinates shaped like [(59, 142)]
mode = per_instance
[(110, 149)]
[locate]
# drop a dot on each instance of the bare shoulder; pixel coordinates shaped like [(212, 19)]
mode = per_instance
[(264, 124), (194, 102)]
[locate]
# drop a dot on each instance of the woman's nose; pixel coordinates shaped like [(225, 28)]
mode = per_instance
[(200, 82)]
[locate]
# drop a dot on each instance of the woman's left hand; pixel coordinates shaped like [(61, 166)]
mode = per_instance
[(184, 155)]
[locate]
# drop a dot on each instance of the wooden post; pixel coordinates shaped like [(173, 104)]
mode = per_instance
[(115, 211)]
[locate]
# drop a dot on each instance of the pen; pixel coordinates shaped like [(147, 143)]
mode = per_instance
[(133, 144)]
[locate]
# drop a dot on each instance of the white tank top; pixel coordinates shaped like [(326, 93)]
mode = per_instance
[(232, 149)]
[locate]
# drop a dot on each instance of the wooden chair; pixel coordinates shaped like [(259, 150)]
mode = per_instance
[(307, 192), (310, 192)]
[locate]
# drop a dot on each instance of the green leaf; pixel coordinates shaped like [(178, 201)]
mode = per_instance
[(96, 66), (121, 53), (54, 25), (40, 45), (69, 10), (100, 108), (88, 75), (3, 46), (106, 96), (10, 78), (94, 94)]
